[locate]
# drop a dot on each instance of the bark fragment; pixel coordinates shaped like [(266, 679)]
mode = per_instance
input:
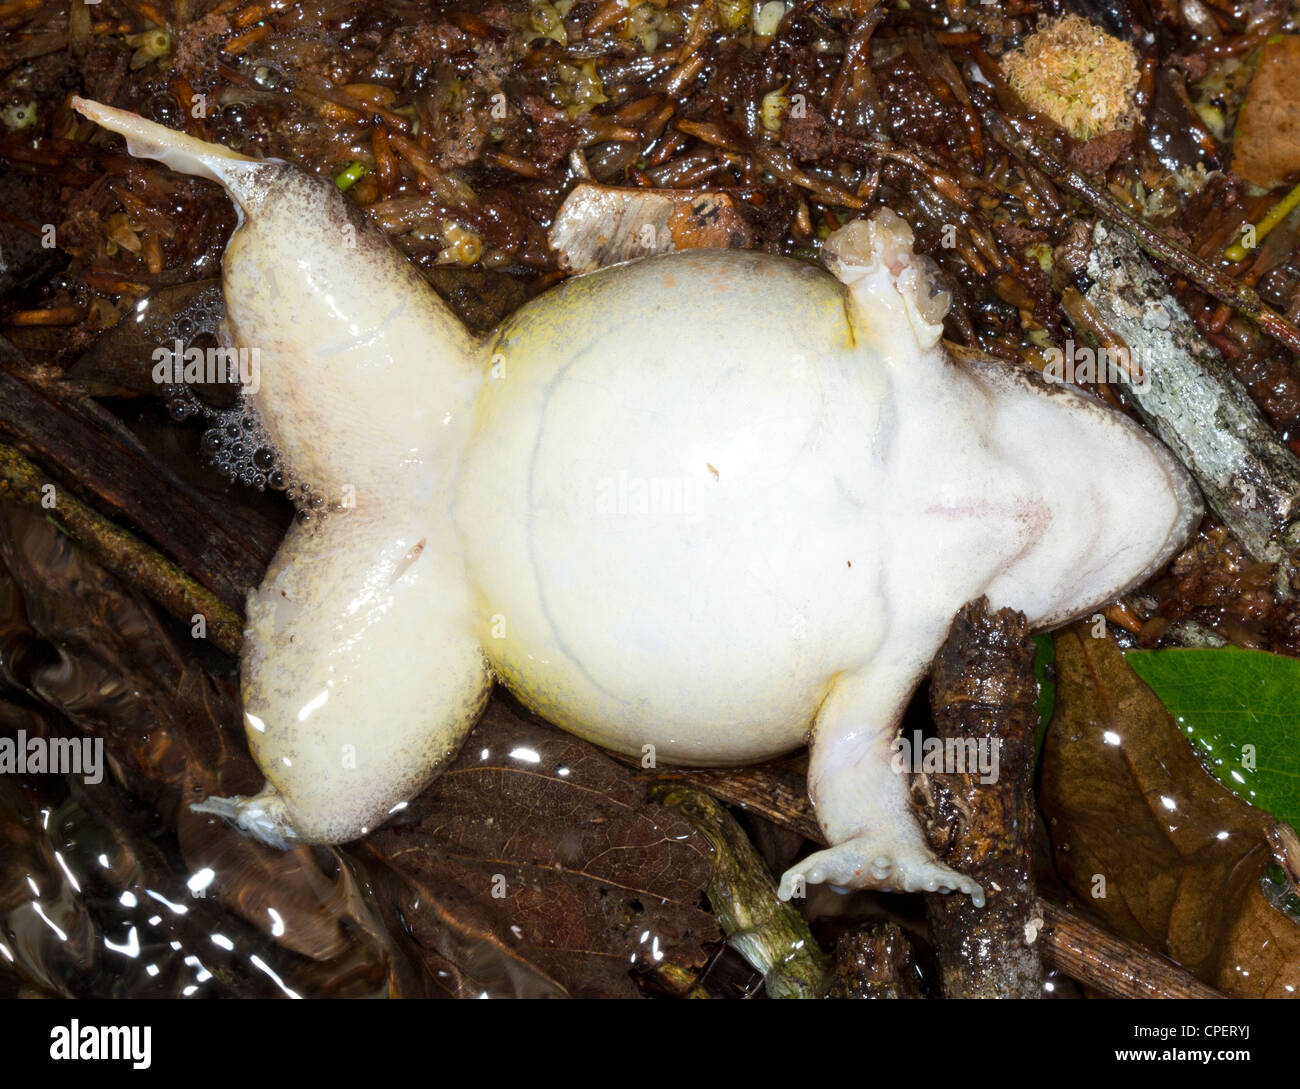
[(983, 688), (1191, 401), (875, 961)]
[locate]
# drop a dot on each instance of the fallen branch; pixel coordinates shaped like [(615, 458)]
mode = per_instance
[(1215, 280), (1190, 399), (93, 452), (776, 792), (1069, 943), (1085, 952), (119, 552), (875, 961)]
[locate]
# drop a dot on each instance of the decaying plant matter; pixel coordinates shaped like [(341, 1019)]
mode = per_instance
[(1078, 75)]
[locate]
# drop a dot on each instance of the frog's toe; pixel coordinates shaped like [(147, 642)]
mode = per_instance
[(861, 864), (930, 875), (848, 865), (264, 815)]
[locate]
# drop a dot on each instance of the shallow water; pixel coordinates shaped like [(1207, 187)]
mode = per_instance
[(114, 888), (109, 888)]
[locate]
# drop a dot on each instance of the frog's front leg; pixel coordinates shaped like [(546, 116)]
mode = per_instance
[(862, 801)]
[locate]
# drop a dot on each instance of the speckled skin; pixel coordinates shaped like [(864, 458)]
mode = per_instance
[(697, 506)]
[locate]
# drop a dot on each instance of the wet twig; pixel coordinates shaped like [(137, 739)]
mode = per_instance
[(771, 935), (1190, 399), (773, 791), (1071, 944), (1215, 280), (94, 452), (119, 552), (1086, 952), (875, 961)]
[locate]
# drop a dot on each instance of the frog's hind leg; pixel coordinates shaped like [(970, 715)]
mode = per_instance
[(362, 675), (862, 800)]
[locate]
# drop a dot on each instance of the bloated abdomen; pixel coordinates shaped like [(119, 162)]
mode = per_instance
[(672, 539)]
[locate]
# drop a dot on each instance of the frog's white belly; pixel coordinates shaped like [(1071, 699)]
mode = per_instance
[(673, 541)]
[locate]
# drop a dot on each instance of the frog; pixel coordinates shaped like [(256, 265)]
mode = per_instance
[(700, 509)]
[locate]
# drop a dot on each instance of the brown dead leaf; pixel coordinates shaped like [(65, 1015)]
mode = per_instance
[(1266, 149), (1145, 836), (120, 362), (538, 865)]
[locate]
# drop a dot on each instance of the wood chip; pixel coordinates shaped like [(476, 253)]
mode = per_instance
[(602, 225)]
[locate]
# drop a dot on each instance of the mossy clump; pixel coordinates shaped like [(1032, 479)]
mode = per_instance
[(1078, 75)]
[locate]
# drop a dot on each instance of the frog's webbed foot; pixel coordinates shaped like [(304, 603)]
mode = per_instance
[(873, 258), (262, 815), (878, 862), (861, 794)]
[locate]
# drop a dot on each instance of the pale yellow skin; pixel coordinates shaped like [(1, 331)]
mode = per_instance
[(696, 507)]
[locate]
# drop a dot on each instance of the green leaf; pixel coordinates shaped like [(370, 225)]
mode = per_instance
[(1240, 710)]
